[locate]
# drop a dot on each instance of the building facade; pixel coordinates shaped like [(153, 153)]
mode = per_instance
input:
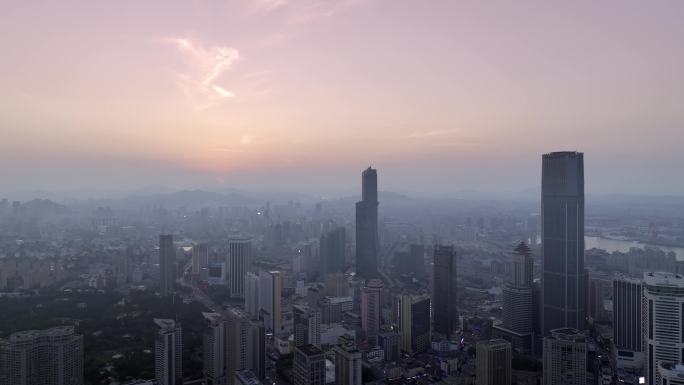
[(663, 315), (493, 358), (168, 352), (308, 365), (270, 288), (563, 277), (239, 263), (367, 240), (245, 345), (36, 357), (214, 349), (414, 322), (444, 298), (628, 323), (370, 307), (565, 358), (307, 326), (348, 365)]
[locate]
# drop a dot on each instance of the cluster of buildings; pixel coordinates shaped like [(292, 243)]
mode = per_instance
[(317, 321), (415, 333)]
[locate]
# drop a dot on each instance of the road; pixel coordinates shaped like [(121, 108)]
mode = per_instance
[(197, 293)]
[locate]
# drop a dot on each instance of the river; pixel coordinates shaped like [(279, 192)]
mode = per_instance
[(610, 245), (623, 245)]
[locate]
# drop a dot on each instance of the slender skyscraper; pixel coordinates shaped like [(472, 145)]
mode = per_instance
[(167, 265), (370, 307), (239, 263), (367, 241), (563, 279), (628, 322), (214, 349), (168, 352), (252, 294), (270, 286), (444, 294), (307, 326)]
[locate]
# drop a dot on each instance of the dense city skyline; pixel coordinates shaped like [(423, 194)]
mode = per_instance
[(300, 94), (341, 192)]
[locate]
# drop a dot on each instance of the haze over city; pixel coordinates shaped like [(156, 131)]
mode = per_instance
[(299, 95), (341, 192)]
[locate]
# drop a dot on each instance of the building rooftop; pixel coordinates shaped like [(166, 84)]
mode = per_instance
[(58, 331), (562, 154), (165, 323), (664, 279), (310, 350), (567, 334), (494, 342)]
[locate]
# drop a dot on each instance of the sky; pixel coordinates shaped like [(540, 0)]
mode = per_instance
[(439, 96)]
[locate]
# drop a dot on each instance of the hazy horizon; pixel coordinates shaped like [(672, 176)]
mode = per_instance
[(303, 95)]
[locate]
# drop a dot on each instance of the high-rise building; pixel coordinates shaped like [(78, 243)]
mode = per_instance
[(214, 349), (565, 357), (519, 301), (307, 326), (348, 365), (389, 342), (167, 265), (252, 294), (245, 345), (53, 356), (628, 323), (563, 278), (663, 311), (239, 263), (444, 291), (332, 250), (200, 261), (308, 365), (493, 362), (270, 286), (414, 322), (367, 241), (370, 307), (168, 352)]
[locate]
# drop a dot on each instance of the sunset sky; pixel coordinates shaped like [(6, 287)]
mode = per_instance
[(438, 95)]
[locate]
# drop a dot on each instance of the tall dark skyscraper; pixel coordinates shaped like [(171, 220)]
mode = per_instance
[(167, 264), (444, 293), (563, 278), (333, 246), (367, 242)]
